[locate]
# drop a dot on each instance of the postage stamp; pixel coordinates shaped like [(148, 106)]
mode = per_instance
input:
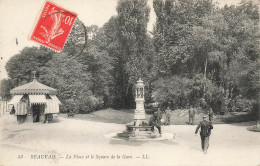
[(53, 26)]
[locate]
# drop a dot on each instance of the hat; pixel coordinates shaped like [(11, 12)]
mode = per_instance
[(204, 116)]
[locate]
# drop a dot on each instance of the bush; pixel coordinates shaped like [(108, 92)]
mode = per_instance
[(183, 91), (244, 105), (254, 128), (81, 105)]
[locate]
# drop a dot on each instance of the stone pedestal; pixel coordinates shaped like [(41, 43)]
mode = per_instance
[(139, 116), (139, 128)]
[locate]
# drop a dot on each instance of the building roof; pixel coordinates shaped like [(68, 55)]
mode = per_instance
[(33, 87)]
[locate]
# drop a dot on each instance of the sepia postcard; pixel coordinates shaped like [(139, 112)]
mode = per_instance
[(129, 82)]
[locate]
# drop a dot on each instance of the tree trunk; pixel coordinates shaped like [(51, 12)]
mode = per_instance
[(205, 78), (258, 122)]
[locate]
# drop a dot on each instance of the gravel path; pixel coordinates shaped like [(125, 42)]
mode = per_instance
[(74, 142)]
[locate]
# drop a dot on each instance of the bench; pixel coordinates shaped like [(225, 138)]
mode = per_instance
[(70, 114), (48, 118)]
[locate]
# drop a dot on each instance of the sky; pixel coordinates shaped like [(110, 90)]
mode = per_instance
[(18, 18)]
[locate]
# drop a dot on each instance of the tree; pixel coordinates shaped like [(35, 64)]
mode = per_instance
[(134, 46), (19, 68), (6, 86), (72, 82), (195, 38), (177, 33), (172, 33), (100, 65), (77, 40), (242, 54), (85, 44)]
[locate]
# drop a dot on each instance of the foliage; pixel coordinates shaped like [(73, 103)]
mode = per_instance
[(134, 56), (174, 88), (20, 66), (100, 66), (6, 86), (77, 40), (198, 53), (72, 82), (220, 46)]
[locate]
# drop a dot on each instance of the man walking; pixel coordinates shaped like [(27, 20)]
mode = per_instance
[(205, 132), (191, 115)]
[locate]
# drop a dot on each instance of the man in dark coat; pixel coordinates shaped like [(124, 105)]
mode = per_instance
[(152, 121), (205, 132), (159, 114), (155, 120)]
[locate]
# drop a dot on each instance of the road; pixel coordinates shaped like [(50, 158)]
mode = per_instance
[(81, 142)]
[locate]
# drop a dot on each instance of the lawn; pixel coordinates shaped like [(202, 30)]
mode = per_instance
[(178, 117)]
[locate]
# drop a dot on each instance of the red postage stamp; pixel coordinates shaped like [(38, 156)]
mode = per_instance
[(53, 26)]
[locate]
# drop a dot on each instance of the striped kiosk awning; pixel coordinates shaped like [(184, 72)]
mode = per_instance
[(55, 98), (15, 99), (20, 108), (52, 105), (37, 99)]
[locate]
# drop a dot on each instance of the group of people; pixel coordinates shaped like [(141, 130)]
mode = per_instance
[(157, 119), (204, 126)]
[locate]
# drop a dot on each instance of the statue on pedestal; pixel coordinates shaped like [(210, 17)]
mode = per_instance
[(139, 128)]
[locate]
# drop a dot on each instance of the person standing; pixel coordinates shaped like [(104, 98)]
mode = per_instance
[(168, 116), (158, 120), (159, 113), (205, 131), (152, 121), (158, 125), (191, 115), (12, 111), (163, 120), (210, 114)]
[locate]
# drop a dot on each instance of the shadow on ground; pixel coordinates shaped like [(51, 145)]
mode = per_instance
[(21, 130), (56, 120), (132, 142), (126, 142)]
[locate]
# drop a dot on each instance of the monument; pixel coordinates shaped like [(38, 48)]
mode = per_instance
[(139, 128)]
